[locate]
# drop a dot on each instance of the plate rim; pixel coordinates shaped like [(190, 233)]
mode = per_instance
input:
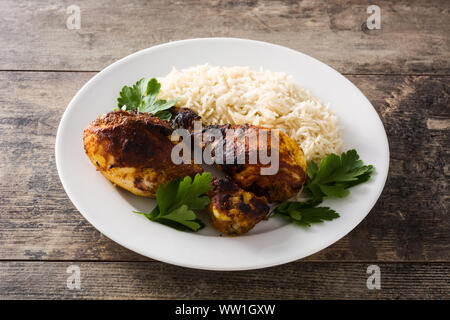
[(193, 265)]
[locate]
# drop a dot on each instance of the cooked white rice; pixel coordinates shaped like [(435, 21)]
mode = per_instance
[(238, 95)]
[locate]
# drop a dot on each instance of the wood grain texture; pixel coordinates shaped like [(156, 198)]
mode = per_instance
[(404, 70), (409, 223), (155, 280), (413, 37)]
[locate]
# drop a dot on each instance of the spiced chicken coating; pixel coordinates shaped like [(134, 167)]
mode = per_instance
[(276, 186), (233, 210), (133, 151)]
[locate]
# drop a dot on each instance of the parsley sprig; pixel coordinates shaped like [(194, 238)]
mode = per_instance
[(336, 175), (332, 178), (305, 213), (142, 96), (177, 201)]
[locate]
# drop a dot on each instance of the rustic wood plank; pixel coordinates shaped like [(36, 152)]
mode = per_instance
[(415, 197), (414, 35), (409, 223), (155, 280), (42, 224)]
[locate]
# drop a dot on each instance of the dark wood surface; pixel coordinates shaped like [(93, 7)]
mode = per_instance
[(413, 37), (154, 280), (403, 69)]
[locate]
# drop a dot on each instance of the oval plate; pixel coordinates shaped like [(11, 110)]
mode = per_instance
[(271, 242)]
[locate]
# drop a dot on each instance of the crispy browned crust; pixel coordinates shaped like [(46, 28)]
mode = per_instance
[(133, 139), (183, 118), (133, 150), (234, 210), (281, 186)]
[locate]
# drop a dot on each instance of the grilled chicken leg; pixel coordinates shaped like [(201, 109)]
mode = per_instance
[(133, 151), (280, 185), (233, 210)]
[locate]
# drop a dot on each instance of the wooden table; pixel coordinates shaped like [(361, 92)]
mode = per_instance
[(403, 68)]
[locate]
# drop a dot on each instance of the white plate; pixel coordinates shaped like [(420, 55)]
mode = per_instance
[(271, 242)]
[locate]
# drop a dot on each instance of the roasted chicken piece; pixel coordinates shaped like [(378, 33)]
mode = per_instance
[(133, 151), (183, 118), (277, 186), (286, 182), (233, 210)]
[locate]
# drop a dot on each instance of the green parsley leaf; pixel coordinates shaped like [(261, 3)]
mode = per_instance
[(131, 97), (152, 88), (332, 178), (164, 115), (165, 196), (184, 216), (190, 192), (177, 201), (305, 213), (336, 175), (142, 96), (156, 107)]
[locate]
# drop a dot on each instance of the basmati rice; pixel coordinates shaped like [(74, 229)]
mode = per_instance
[(238, 95)]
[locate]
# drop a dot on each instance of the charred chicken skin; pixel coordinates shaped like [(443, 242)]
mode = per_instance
[(233, 210), (133, 150), (286, 182), (183, 118)]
